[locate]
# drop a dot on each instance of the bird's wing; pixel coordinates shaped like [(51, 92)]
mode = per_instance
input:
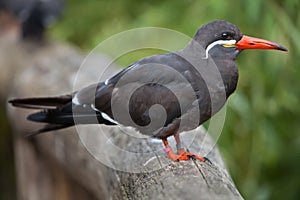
[(129, 96)]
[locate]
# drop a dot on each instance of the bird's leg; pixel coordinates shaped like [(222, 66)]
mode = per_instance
[(182, 154), (180, 150), (169, 151)]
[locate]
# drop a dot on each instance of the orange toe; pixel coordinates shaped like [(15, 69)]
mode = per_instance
[(173, 156), (184, 155)]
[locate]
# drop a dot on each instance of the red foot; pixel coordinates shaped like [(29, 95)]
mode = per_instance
[(184, 155)]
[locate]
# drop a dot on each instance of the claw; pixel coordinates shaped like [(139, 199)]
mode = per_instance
[(191, 157), (207, 160)]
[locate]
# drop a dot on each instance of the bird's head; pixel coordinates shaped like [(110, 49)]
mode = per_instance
[(220, 38)]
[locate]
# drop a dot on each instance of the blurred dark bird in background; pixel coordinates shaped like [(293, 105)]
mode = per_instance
[(34, 16)]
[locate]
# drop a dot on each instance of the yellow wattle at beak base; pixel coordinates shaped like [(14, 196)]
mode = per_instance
[(228, 45)]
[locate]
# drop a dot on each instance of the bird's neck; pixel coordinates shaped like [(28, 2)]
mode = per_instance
[(221, 61), (229, 73)]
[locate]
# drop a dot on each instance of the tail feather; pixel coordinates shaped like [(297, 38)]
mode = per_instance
[(42, 103), (52, 116), (58, 113), (59, 120)]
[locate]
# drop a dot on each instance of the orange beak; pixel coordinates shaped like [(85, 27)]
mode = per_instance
[(255, 43)]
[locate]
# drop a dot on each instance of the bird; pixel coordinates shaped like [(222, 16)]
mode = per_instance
[(34, 15), (161, 95)]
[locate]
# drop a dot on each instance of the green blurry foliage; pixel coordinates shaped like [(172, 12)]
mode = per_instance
[(260, 140)]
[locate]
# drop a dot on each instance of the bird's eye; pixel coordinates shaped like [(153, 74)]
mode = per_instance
[(226, 36)]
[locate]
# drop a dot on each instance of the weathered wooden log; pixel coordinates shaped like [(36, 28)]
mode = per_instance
[(82, 163)]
